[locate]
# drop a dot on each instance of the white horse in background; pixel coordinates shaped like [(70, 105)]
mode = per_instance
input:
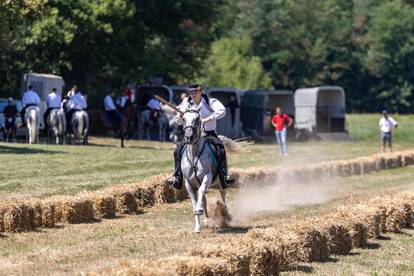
[(32, 117), (57, 124), (164, 117), (80, 126), (199, 165)]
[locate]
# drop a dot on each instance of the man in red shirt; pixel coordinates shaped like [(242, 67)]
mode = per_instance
[(281, 121)]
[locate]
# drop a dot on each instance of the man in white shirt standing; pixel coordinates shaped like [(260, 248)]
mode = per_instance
[(53, 101), (387, 126), (111, 110), (210, 110), (30, 98)]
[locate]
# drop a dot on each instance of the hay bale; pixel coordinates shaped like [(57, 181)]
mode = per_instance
[(2, 211), (13, 218), (357, 167), (312, 241), (175, 265), (125, 201), (339, 238), (74, 209), (236, 256), (380, 163), (369, 165), (48, 214), (37, 216), (288, 245), (407, 159), (144, 197), (219, 215), (354, 222), (104, 205)]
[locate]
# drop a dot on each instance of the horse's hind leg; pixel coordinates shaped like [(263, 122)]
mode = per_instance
[(223, 195), (205, 221)]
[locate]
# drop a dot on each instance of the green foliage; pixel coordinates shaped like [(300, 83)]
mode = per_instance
[(232, 63), (391, 53)]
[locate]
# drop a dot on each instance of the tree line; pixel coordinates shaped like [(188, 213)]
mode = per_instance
[(365, 46)]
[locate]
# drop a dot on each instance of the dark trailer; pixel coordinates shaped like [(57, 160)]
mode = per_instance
[(228, 126), (258, 108)]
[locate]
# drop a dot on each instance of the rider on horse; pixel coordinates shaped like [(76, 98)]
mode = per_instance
[(53, 101), (76, 102), (30, 98), (210, 110)]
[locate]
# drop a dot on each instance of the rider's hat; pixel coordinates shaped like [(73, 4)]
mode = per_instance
[(10, 99), (193, 88)]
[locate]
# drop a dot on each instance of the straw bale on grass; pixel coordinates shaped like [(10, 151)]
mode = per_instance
[(339, 239), (354, 222), (16, 217), (104, 205), (74, 209), (287, 244), (312, 241), (124, 200), (232, 252), (48, 214), (175, 265)]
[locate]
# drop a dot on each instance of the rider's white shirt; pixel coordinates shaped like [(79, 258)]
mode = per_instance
[(109, 103), (30, 97), (77, 101), (217, 111), (53, 100)]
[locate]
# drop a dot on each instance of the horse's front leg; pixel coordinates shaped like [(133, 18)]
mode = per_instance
[(193, 196), (205, 184)]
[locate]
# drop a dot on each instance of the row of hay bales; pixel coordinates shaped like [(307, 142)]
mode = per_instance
[(323, 170), (271, 250), (28, 215)]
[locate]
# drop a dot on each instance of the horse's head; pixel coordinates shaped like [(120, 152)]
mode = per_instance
[(192, 126)]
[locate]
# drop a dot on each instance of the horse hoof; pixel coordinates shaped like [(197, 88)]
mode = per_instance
[(199, 212), (197, 231)]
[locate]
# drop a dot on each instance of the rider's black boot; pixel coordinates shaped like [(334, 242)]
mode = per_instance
[(177, 180)]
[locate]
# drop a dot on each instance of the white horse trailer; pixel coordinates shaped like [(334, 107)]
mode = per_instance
[(320, 110), (42, 84), (229, 125)]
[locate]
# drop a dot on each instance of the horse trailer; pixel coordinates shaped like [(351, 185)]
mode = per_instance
[(42, 85), (230, 125), (258, 108), (320, 110)]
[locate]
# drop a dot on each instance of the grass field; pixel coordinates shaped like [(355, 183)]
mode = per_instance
[(45, 170)]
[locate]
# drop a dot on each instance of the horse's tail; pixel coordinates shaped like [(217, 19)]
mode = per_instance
[(80, 123), (234, 146)]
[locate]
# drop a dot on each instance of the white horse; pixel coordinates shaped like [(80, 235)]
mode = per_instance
[(162, 123), (57, 124), (32, 118), (199, 165), (80, 126)]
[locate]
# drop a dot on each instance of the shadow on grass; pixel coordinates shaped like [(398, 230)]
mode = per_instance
[(372, 245), (25, 150), (131, 147), (302, 268), (234, 230)]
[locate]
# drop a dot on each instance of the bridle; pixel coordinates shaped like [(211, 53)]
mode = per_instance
[(196, 129)]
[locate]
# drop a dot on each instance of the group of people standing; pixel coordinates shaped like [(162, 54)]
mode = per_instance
[(73, 101)]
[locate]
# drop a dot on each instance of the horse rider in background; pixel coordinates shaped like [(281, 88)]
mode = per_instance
[(53, 101), (210, 110), (30, 98), (154, 106), (76, 102), (10, 113), (111, 110)]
